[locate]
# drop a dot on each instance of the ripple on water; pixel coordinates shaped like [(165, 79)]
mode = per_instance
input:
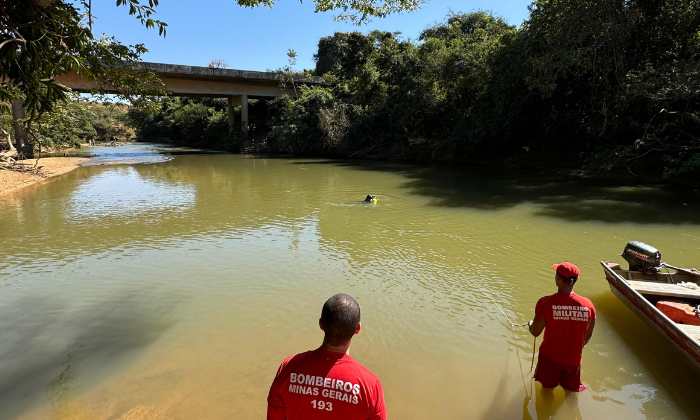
[(215, 267)]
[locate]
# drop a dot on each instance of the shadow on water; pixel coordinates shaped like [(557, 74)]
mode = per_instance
[(563, 197), (662, 360), (501, 406), (42, 352)]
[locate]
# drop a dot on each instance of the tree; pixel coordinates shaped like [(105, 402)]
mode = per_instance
[(45, 38), (357, 11), (601, 72), (68, 124), (343, 54), (457, 64)]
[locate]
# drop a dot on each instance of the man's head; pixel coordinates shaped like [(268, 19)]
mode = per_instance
[(340, 319), (566, 274)]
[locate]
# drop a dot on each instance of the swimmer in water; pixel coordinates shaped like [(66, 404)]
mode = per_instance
[(371, 199)]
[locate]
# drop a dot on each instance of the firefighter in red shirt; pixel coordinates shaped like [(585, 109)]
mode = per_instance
[(327, 383), (567, 320)]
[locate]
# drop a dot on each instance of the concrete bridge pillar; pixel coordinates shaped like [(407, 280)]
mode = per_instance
[(241, 100), (244, 117), (231, 114)]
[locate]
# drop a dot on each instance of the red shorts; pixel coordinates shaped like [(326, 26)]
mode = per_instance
[(551, 374)]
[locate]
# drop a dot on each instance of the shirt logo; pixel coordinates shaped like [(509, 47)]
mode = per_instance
[(331, 388), (570, 313)]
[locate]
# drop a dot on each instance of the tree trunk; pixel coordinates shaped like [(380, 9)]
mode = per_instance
[(23, 144), (7, 158), (11, 146)]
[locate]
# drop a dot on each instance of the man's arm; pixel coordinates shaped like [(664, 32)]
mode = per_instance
[(536, 326), (379, 409), (538, 322), (275, 411), (275, 403), (591, 325)]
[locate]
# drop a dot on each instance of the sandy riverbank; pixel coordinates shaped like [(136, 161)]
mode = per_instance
[(11, 181)]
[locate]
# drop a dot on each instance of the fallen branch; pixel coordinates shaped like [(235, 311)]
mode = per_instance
[(12, 165), (8, 159)]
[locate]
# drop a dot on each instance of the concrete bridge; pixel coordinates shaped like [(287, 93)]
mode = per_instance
[(181, 80)]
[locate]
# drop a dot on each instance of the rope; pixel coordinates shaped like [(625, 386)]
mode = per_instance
[(509, 321), (520, 370), (534, 347)]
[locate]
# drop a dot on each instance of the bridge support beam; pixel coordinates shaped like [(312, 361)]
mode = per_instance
[(241, 100), (231, 114), (244, 117)]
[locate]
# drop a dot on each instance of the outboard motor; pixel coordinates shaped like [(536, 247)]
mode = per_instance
[(642, 257)]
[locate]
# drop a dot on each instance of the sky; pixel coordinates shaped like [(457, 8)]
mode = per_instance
[(258, 39)]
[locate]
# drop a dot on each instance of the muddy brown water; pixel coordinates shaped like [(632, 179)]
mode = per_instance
[(173, 289)]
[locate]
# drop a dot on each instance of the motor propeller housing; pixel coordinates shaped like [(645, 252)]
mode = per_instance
[(642, 257)]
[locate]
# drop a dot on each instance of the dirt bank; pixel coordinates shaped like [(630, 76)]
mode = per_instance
[(11, 181)]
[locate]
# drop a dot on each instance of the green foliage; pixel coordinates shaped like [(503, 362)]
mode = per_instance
[(616, 75), (358, 11), (192, 122), (144, 13), (110, 122), (296, 127), (42, 39), (457, 68), (401, 99), (68, 124), (342, 54), (73, 122), (608, 85), (690, 167)]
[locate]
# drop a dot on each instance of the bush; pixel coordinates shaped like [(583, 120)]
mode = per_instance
[(185, 121)]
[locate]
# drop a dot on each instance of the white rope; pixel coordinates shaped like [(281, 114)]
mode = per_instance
[(534, 347)]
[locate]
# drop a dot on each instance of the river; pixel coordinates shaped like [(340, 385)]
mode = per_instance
[(173, 289)]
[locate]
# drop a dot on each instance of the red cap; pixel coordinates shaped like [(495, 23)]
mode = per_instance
[(566, 270)]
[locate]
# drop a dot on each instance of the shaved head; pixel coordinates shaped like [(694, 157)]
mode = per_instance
[(340, 317)]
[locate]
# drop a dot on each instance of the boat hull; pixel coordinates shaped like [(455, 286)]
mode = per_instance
[(649, 313)]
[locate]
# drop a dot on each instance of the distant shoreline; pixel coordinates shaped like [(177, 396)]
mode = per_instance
[(51, 167)]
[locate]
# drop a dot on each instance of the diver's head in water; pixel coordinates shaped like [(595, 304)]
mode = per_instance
[(370, 198)]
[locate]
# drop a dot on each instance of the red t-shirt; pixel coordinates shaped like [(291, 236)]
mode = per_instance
[(319, 384), (567, 320)]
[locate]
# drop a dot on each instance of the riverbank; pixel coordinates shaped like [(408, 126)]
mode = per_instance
[(12, 181)]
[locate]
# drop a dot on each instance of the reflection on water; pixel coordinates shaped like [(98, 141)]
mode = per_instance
[(172, 290), (127, 154), (122, 192), (552, 404)]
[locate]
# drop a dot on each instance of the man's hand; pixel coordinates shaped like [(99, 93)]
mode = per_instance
[(536, 326)]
